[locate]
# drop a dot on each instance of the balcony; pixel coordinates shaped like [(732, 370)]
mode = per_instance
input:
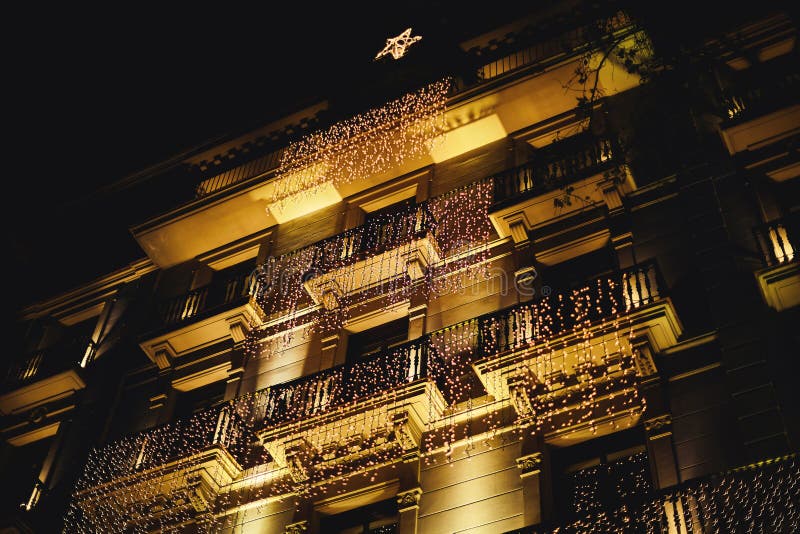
[(562, 199), (376, 406), (166, 476), (779, 280), (45, 375), (218, 312), (597, 339), (318, 420), (756, 498), (362, 259), (761, 107)]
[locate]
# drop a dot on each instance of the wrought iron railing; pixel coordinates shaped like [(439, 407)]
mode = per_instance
[(50, 361), (758, 498), (484, 336), (779, 240), (559, 164), (222, 426), (601, 298), (528, 50), (381, 233), (313, 394), (192, 303)]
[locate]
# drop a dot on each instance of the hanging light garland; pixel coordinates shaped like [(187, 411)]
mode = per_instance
[(426, 249), (364, 145)]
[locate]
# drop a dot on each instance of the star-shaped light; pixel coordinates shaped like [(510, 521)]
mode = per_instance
[(396, 46)]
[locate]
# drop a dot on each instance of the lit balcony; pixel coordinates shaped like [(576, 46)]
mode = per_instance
[(618, 497), (45, 375), (562, 198), (164, 477), (218, 312), (390, 247), (779, 280), (570, 363), (375, 407), (761, 107)]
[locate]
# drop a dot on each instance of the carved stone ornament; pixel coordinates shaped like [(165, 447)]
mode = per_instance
[(297, 528), (658, 422), (530, 464), (409, 499)]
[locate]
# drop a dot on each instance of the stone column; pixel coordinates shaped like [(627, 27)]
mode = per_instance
[(408, 510), (661, 452)]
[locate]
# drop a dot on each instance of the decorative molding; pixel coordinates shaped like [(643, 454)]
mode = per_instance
[(158, 400), (297, 528), (239, 326), (530, 464), (163, 355), (406, 432), (518, 225), (409, 499), (658, 422)]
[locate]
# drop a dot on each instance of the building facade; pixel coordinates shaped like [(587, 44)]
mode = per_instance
[(549, 283)]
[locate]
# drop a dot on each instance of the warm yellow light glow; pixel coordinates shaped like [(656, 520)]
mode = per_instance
[(468, 137), (304, 202)]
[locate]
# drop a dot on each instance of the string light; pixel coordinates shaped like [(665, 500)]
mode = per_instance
[(364, 145)]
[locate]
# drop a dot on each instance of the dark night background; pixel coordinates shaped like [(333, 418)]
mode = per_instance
[(97, 94)]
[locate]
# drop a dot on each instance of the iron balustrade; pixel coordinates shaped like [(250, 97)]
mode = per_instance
[(601, 298), (222, 426), (192, 303), (50, 361), (779, 239), (758, 498), (556, 165), (381, 233), (314, 394), (487, 335), (528, 49), (231, 425)]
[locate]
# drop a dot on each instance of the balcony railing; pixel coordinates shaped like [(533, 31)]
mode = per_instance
[(515, 56), (760, 90), (220, 426), (357, 381), (43, 363), (191, 304), (488, 335), (779, 240), (382, 233), (560, 163), (601, 298), (757, 498)]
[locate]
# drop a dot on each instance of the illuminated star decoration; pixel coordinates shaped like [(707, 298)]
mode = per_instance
[(396, 46)]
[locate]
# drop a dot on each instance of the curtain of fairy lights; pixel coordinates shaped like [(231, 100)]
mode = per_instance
[(428, 248), (367, 144), (150, 481)]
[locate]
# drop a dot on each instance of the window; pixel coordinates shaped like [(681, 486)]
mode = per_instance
[(599, 474), (377, 518), (199, 399), (374, 340)]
